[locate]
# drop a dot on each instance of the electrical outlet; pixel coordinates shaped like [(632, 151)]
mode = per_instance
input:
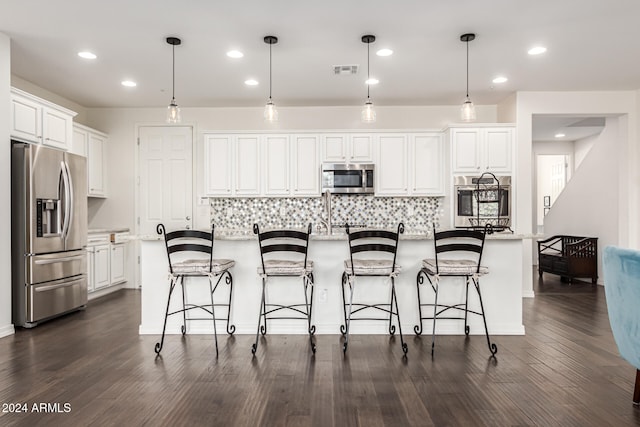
[(229, 212), (410, 210), (323, 295), (283, 211)]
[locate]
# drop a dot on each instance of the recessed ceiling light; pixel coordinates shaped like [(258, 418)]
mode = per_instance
[(384, 52), (372, 81), (560, 135), (251, 82), (500, 79), (537, 50), (87, 55), (128, 83), (235, 54)]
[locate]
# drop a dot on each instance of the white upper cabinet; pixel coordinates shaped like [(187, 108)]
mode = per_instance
[(39, 121), (305, 165), (93, 145), (347, 148), (391, 169), (247, 165), (276, 165), (426, 164), (218, 165), (479, 150), (410, 164)]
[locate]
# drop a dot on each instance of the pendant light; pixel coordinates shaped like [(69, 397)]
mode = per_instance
[(467, 111), (270, 112), (173, 111), (368, 113)]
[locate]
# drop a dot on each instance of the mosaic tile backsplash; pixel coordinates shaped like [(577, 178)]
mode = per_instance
[(417, 213)]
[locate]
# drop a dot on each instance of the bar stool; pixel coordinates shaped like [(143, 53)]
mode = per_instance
[(383, 246), (190, 254), (467, 247), (291, 247)]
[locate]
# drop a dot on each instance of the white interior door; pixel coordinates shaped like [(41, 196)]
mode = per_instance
[(165, 192)]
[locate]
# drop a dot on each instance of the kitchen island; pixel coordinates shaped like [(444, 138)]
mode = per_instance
[(501, 288)]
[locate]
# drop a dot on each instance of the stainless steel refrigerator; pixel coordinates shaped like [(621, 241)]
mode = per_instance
[(48, 233)]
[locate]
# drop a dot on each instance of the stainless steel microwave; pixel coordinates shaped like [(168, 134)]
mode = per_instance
[(348, 178)]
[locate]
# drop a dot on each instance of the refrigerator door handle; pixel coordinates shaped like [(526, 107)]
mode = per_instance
[(68, 199)]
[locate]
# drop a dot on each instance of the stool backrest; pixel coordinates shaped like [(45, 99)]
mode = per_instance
[(293, 242), (461, 241), (183, 243), (379, 241)]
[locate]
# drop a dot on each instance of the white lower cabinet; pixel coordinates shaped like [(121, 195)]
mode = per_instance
[(107, 261)]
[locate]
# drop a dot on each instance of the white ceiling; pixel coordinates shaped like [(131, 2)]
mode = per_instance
[(592, 45)]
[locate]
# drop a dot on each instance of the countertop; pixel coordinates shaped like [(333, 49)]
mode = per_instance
[(107, 230), (241, 235)]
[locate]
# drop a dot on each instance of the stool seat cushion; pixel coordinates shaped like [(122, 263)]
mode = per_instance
[(453, 267), (285, 267), (199, 267), (371, 267)]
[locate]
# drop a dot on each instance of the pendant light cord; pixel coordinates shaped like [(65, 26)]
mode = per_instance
[(467, 42), (368, 67), (173, 84), (270, 69)]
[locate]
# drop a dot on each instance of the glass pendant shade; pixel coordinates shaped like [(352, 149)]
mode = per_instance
[(173, 112), (270, 112), (368, 112), (468, 111)]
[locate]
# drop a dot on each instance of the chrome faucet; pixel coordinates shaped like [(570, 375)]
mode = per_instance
[(325, 219)]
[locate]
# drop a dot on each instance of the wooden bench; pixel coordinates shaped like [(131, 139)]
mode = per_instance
[(570, 257)]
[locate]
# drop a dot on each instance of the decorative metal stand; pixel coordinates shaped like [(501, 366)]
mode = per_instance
[(489, 193)]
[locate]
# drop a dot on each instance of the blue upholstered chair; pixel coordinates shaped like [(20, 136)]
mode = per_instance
[(622, 287)]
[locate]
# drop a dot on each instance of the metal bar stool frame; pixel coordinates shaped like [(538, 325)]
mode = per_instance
[(356, 245), (198, 242), (461, 241), (293, 242)]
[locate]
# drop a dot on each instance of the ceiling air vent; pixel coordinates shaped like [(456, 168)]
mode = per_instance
[(345, 69)]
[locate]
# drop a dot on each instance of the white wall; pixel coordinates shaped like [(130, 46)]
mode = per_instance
[(6, 327), (52, 97), (623, 103), (582, 147), (588, 206)]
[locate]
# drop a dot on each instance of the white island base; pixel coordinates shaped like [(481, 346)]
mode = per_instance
[(501, 289)]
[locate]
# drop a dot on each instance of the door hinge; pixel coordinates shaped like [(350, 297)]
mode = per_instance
[(138, 220), (138, 140), (138, 259)]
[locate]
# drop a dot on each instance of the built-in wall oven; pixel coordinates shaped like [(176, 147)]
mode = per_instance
[(482, 200), (348, 178)]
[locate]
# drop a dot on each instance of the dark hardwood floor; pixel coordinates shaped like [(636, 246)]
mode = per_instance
[(94, 366)]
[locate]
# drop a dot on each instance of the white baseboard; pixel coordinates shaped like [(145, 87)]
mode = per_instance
[(7, 330)]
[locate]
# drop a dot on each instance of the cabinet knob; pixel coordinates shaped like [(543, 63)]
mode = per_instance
[(188, 227), (188, 218)]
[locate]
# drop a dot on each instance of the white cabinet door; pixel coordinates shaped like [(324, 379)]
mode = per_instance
[(101, 270), (361, 148), (247, 165), (498, 143), (350, 148), (276, 168), (305, 165), (426, 170), (334, 148), (56, 128), (26, 119), (391, 168), (116, 261), (80, 141), (466, 144), (218, 165), (96, 146)]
